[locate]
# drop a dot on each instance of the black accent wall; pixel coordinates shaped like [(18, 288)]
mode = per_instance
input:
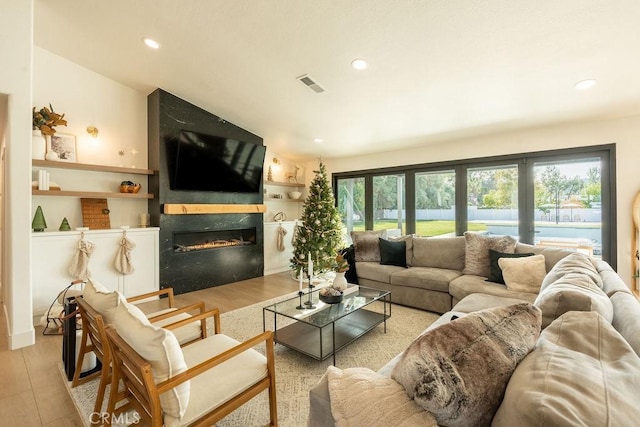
[(190, 271)]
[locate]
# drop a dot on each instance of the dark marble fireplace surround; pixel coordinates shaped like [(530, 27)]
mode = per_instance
[(191, 270)]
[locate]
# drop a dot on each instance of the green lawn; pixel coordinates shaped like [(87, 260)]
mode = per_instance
[(423, 228)]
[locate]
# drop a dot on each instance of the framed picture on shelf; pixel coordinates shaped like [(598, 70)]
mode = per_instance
[(64, 145)]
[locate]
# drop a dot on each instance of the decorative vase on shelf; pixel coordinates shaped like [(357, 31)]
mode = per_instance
[(38, 145), (340, 282)]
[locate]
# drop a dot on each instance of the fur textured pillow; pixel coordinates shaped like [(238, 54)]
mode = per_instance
[(476, 255), (459, 370), (366, 245)]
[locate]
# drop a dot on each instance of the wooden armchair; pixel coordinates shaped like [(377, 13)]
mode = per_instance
[(94, 337), (195, 385)]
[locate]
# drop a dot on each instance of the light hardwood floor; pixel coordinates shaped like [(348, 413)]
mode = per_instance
[(32, 392)]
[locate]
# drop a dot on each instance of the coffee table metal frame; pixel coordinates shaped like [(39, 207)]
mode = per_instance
[(321, 332)]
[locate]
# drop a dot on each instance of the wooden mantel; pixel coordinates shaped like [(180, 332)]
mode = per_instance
[(195, 209)]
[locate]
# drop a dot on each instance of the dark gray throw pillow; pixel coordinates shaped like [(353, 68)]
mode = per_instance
[(393, 253), (496, 271)]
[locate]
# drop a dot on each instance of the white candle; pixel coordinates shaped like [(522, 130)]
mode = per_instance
[(310, 266), (300, 283)]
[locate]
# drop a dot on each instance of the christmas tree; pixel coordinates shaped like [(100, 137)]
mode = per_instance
[(320, 233)]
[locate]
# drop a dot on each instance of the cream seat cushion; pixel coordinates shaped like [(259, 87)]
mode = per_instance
[(161, 349), (219, 384), (582, 372)]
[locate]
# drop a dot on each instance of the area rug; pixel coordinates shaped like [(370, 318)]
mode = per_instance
[(296, 374)]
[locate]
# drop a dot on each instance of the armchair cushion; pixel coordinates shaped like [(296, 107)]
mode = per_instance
[(220, 383), (102, 300), (160, 347), (185, 333)]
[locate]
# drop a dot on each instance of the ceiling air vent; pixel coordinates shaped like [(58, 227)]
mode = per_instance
[(310, 83)]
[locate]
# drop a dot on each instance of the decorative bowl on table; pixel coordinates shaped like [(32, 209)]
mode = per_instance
[(330, 295)]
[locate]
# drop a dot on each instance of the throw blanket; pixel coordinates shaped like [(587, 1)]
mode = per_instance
[(362, 397)]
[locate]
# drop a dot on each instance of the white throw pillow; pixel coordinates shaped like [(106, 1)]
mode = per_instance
[(523, 274), (160, 347), (101, 300)]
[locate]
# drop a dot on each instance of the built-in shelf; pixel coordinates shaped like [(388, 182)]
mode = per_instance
[(89, 167), (284, 184), (91, 194)]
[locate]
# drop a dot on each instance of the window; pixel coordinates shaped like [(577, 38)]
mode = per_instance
[(435, 203), (563, 198), (388, 202), (350, 201), (492, 200), (568, 204)]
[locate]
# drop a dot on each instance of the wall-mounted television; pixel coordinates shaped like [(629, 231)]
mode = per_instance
[(215, 163)]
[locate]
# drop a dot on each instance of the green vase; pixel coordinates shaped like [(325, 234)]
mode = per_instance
[(39, 223)]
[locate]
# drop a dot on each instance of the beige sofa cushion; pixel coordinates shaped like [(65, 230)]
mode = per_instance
[(476, 261), (376, 271), (366, 246), (551, 255), (572, 292), (435, 279), (523, 274), (626, 318), (439, 252), (465, 285), (408, 240), (580, 373), (446, 370), (574, 263)]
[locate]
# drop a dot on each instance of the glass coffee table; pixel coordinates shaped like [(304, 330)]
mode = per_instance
[(322, 331)]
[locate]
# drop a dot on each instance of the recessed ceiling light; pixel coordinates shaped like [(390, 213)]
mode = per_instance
[(151, 43), (359, 64), (585, 84), (317, 140)]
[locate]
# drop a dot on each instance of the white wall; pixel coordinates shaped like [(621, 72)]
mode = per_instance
[(625, 133), (120, 114), (16, 40)]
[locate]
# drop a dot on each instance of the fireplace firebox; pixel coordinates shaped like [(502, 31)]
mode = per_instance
[(189, 241)]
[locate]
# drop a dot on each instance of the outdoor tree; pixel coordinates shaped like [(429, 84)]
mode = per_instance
[(320, 234)]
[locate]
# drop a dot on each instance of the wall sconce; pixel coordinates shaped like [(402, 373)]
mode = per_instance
[(93, 131), (276, 164)]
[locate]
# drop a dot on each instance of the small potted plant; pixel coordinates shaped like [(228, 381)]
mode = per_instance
[(45, 120), (341, 267)]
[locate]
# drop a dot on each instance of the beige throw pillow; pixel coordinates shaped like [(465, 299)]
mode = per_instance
[(573, 263), (459, 370), (582, 372), (523, 274), (101, 300), (476, 256)]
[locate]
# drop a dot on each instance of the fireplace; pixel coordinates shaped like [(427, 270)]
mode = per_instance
[(185, 242)]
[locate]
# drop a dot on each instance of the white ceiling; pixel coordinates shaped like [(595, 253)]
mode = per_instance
[(438, 69)]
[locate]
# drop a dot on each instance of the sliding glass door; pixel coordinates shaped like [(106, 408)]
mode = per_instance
[(568, 204)]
